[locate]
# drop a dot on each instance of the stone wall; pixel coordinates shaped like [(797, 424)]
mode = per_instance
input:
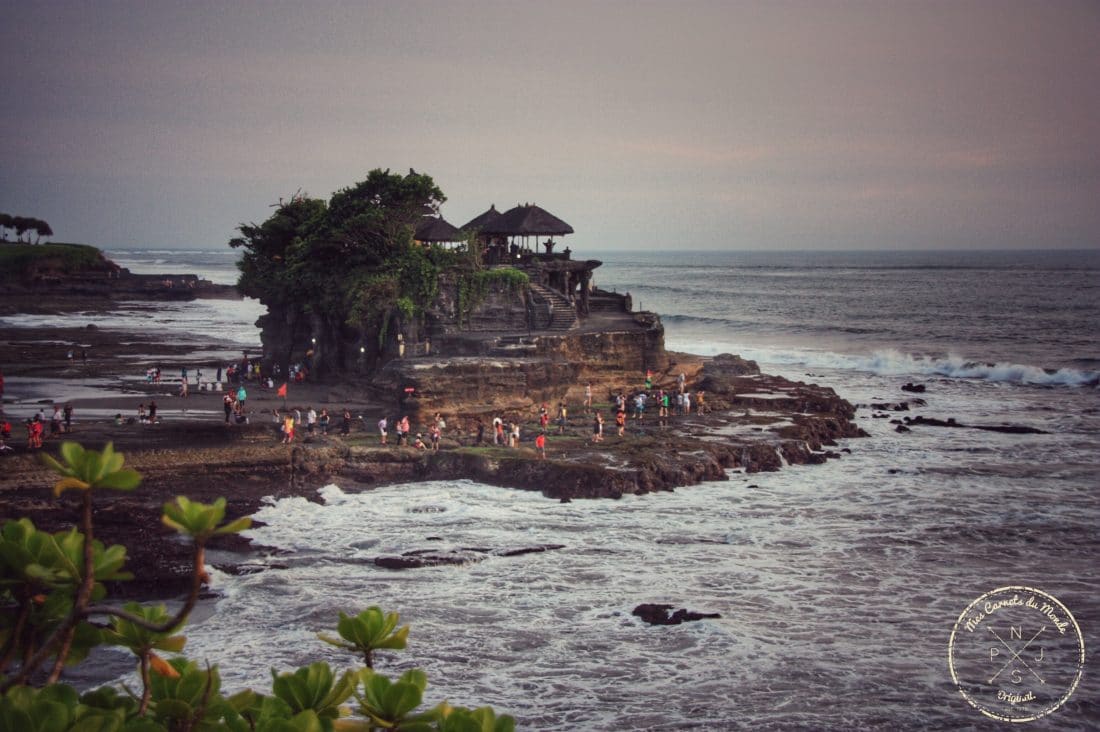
[(501, 309), (611, 350)]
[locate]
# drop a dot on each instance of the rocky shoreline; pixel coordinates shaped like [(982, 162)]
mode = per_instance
[(755, 423)]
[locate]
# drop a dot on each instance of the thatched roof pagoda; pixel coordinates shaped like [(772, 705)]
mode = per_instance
[(526, 220), (436, 229), (478, 223)]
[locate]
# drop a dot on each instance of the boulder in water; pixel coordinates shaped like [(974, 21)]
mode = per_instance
[(664, 615)]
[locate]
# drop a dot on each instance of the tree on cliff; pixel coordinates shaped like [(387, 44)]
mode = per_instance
[(342, 272), (23, 224)]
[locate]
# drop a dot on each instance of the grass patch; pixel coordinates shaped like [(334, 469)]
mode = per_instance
[(17, 260)]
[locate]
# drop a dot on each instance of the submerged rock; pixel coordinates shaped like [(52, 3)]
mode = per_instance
[(655, 614)]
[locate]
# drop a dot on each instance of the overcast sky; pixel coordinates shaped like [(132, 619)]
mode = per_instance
[(737, 125)]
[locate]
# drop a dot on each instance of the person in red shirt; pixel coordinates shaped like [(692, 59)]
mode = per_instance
[(540, 445)]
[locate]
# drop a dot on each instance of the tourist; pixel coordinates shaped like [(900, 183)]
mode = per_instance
[(440, 423), (480, 431), (68, 412), (55, 421), (345, 426), (288, 429), (434, 436), (227, 405), (383, 425), (680, 381), (403, 431), (241, 394), (311, 420), (36, 432), (183, 386), (620, 421), (498, 431), (540, 445), (597, 428), (544, 416), (687, 403), (515, 435), (153, 411), (648, 379), (563, 417), (323, 421), (419, 444)]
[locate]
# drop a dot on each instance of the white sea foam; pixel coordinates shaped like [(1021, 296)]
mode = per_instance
[(892, 362)]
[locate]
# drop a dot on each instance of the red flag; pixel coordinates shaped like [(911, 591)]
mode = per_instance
[(282, 390)]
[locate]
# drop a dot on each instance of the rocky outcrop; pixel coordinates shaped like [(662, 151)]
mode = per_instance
[(50, 291), (1011, 429), (664, 615)]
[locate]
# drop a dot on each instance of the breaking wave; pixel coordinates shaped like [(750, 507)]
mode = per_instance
[(891, 362)]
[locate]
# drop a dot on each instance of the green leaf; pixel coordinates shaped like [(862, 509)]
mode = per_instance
[(236, 526), (122, 480)]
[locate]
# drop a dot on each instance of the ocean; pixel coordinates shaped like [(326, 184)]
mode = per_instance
[(839, 585)]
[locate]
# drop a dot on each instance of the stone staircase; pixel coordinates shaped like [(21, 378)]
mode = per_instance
[(563, 316)]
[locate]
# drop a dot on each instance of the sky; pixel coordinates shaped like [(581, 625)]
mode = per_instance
[(792, 125)]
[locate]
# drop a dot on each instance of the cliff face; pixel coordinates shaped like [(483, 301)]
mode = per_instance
[(499, 308), (474, 385), (632, 344), (545, 367)]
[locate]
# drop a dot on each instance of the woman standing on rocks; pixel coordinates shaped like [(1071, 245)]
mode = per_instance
[(597, 428)]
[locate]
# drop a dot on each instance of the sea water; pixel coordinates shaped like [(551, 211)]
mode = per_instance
[(838, 585)]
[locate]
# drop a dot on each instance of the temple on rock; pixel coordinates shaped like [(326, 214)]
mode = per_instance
[(536, 314), (556, 293), (514, 318)]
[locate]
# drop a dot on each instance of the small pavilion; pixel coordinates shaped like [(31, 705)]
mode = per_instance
[(506, 236), (436, 230)]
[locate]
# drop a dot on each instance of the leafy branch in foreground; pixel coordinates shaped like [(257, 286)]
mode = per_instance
[(49, 582)]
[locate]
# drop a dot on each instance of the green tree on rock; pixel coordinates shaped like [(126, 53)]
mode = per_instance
[(343, 272)]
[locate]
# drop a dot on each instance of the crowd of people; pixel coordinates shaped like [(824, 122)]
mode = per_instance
[(506, 429), (59, 423)]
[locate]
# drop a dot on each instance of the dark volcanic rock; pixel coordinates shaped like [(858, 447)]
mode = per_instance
[(466, 555), (427, 558), (717, 376), (1012, 429), (528, 550), (915, 388), (664, 615)]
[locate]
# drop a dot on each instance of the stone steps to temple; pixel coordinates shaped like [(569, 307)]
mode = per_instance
[(563, 316)]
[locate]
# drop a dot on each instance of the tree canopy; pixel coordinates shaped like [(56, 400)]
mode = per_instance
[(23, 225), (350, 261), (325, 256)]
